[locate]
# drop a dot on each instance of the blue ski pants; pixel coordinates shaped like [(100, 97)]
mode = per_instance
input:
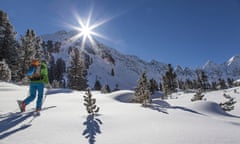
[(35, 88)]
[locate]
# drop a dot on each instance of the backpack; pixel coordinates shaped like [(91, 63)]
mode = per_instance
[(34, 72)]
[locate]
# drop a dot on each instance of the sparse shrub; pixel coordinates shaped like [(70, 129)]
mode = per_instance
[(105, 89), (228, 105), (198, 96)]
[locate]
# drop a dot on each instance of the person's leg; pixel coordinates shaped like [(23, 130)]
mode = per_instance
[(32, 95), (40, 88)]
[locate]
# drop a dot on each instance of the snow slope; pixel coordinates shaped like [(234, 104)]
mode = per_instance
[(128, 68), (65, 121)]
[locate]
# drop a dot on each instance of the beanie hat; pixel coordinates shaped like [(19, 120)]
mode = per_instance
[(35, 62)]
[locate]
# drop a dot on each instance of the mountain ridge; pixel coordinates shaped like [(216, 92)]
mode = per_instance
[(128, 68)]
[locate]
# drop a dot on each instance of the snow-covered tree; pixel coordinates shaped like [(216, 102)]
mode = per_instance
[(153, 85), (105, 89), (77, 71), (142, 92), (228, 105), (222, 84), (30, 48), (90, 103), (198, 96), (5, 72), (203, 80), (169, 81), (9, 45), (60, 69)]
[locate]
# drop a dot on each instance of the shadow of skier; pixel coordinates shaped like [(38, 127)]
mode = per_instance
[(11, 121), (92, 128)]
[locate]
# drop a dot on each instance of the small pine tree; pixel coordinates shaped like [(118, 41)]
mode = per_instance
[(228, 105), (198, 96), (105, 89), (90, 103), (97, 85), (112, 72)]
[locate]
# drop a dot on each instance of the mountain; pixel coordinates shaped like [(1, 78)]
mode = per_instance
[(103, 61)]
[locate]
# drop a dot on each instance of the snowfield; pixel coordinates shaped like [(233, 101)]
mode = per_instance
[(64, 119)]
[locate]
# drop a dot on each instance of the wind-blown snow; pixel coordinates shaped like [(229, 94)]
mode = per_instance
[(64, 119)]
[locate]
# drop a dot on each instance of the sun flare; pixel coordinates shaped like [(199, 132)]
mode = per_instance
[(86, 29)]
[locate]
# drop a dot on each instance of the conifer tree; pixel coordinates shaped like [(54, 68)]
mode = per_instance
[(203, 80), (60, 69), (188, 84), (169, 81), (153, 85), (31, 48), (9, 45), (160, 87), (77, 71), (112, 72), (142, 92), (222, 84), (230, 82), (228, 105), (5, 72), (97, 85), (90, 103), (214, 86), (198, 95), (105, 89)]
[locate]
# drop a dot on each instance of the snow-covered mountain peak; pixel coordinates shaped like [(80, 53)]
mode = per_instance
[(111, 67), (235, 60), (210, 65), (59, 36)]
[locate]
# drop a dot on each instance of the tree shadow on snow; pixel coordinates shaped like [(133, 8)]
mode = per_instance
[(10, 121), (162, 106), (92, 128)]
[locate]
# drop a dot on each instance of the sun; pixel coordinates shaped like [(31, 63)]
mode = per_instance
[(86, 29)]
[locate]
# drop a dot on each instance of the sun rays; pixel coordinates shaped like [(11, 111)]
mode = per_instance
[(86, 29)]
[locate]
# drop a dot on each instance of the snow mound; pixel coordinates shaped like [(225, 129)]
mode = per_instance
[(210, 108), (4, 86), (124, 96), (59, 90)]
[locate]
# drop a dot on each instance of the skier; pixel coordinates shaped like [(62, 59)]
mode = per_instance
[(38, 75)]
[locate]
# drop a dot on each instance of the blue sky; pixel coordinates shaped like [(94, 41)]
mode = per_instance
[(184, 32)]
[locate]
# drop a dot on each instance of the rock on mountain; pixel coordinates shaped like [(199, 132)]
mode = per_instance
[(127, 68)]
